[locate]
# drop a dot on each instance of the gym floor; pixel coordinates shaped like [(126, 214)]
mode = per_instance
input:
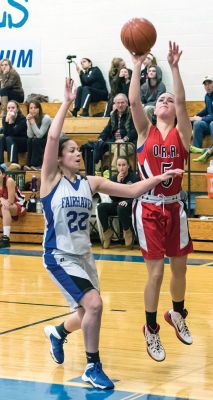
[(29, 300)]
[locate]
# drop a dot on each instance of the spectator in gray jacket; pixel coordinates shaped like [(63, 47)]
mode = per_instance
[(37, 129), (152, 89)]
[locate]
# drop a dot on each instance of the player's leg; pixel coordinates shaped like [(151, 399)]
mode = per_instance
[(178, 245), (155, 270), (91, 323), (176, 316), (7, 214), (58, 334)]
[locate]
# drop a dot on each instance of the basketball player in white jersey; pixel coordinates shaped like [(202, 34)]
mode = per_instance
[(67, 202)]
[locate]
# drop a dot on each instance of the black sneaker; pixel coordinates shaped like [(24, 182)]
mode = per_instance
[(4, 241), (74, 112)]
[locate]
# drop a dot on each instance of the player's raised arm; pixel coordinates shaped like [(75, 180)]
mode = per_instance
[(50, 160), (141, 122), (183, 122)]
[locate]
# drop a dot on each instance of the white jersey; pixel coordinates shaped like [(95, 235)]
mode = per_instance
[(67, 209)]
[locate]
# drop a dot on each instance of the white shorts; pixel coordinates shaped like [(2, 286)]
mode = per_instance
[(74, 275)]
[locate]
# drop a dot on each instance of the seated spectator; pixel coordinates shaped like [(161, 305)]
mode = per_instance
[(14, 129), (12, 205), (93, 87), (37, 129), (149, 60), (121, 207), (120, 129), (123, 81), (116, 64), (11, 86), (152, 89), (119, 80), (203, 121)]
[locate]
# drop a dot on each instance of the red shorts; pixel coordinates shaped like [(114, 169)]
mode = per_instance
[(21, 211), (161, 229)]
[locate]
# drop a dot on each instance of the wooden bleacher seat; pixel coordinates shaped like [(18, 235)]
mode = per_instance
[(201, 233), (28, 229), (52, 108), (194, 106), (97, 108)]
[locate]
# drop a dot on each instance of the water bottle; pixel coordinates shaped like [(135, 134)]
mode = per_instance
[(39, 208), (34, 183), (210, 179), (21, 182)]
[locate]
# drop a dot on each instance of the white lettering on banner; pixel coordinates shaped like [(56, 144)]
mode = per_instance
[(25, 57), (211, 185)]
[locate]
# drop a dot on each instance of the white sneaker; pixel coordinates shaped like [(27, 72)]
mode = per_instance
[(153, 343), (176, 320)]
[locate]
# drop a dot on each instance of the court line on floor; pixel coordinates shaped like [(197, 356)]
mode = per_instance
[(104, 257), (32, 304), (33, 323)]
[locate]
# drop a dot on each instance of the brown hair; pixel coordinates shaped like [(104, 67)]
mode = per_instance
[(40, 115)]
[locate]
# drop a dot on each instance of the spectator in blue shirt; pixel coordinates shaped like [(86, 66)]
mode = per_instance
[(203, 121)]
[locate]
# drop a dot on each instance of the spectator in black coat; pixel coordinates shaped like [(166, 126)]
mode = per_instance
[(93, 87), (14, 138), (120, 129)]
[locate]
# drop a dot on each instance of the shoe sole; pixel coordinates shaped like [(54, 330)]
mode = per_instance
[(47, 334), (150, 355), (169, 320), (86, 379)]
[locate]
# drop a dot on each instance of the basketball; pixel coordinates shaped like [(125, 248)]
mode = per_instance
[(138, 35)]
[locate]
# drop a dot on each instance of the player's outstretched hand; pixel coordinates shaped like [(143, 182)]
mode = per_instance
[(138, 59), (174, 54), (172, 173), (69, 90)]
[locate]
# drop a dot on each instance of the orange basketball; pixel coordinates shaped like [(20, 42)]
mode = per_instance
[(138, 35)]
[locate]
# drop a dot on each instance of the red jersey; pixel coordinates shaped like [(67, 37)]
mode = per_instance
[(19, 197), (157, 155)]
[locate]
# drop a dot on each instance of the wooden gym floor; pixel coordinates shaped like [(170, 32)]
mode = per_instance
[(29, 300)]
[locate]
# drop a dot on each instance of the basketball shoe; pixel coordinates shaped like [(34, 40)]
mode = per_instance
[(56, 349), (153, 343), (176, 320), (95, 375)]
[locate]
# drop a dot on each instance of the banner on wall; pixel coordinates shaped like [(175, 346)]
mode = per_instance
[(25, 55)]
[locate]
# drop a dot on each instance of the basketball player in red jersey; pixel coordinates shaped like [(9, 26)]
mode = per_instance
[(160, 219)]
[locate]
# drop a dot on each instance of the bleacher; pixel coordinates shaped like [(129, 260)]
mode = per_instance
[(30, 228)]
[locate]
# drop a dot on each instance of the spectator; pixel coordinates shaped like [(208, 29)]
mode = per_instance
[(12, 205), (116, 65), (14, 130), (93, 87), (152, 89), (119, 81), (11, 86), (149, 60), (205, 153), (37, 129), (121, 207), (120, 129), (203, 121)]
